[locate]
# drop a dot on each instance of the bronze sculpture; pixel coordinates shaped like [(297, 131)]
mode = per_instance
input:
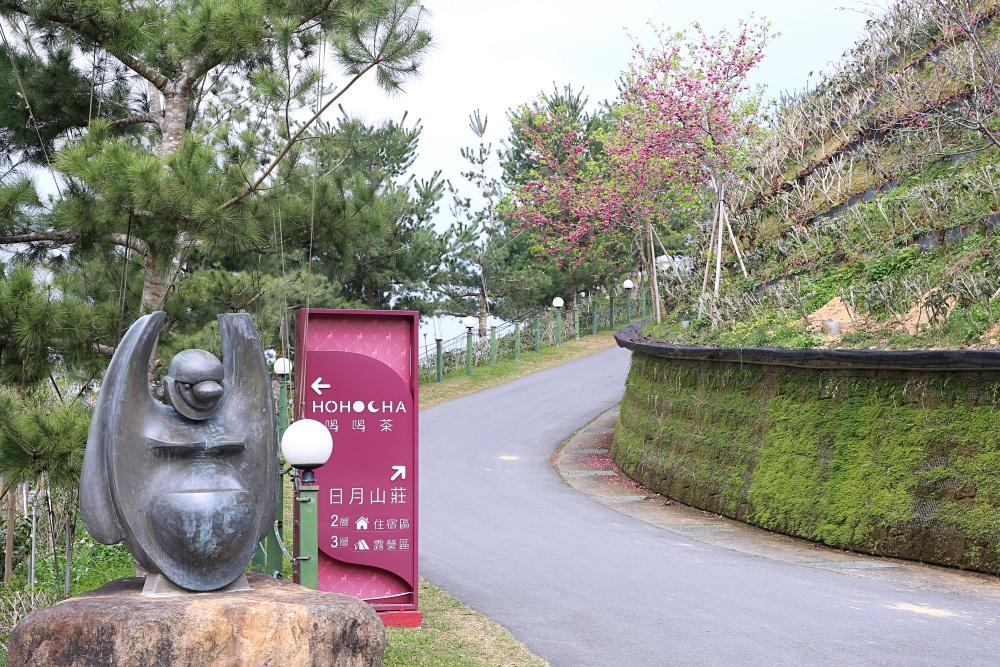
[(190, 489)]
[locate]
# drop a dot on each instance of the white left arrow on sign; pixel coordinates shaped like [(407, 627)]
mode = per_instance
[(319, 385)]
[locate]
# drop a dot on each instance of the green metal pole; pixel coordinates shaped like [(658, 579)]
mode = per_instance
[(308, 536), (576, 323), (259, 561), (468, 353), (439, 371), (558, 327), (517, 341), (642, 299), (274, 562), (538, 335), (612, 299), (628, 306), (593, 317), (493, 346)]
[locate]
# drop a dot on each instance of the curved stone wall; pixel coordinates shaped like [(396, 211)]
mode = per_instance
[(899, 461)]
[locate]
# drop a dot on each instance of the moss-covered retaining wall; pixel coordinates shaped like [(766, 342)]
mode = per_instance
[(901, 462)]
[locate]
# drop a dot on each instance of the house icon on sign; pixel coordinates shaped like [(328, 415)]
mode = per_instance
[(362, 523)]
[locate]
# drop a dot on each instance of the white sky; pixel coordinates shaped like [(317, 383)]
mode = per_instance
[(493, 55)]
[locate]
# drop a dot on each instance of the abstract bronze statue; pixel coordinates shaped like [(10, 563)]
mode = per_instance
[(190, 489)]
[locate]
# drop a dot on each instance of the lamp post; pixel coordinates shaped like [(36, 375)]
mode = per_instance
[(306, 445), (282, 368), (470, 322), (628, 285), (557, 303), (576, 316)]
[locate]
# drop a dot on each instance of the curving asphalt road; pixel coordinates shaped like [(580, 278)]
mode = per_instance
[(581, 584)]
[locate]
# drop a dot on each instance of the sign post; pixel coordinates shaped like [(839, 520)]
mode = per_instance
[(356, 372)]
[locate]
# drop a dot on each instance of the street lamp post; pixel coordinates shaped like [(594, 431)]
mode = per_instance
[(557, 303), (470, 322), (576, 316), (283, 369), (306, 445), (439, 370), (628, 285)]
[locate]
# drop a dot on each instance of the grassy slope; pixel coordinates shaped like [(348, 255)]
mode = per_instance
[(818, 250)]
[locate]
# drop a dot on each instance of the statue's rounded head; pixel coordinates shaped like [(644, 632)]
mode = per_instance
[(194, 384)]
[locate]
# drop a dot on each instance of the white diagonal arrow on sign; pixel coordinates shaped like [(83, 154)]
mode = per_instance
[(318, 385), (400, 472)]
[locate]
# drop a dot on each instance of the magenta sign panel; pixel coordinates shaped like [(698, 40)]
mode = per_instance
[(356, 372)]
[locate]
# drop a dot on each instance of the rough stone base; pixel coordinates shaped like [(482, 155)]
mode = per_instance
[(275, 623)]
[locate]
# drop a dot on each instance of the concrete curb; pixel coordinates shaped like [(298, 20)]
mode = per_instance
[(584, 463)]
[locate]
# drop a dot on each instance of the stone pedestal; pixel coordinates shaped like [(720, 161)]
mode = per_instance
[(275, 623)]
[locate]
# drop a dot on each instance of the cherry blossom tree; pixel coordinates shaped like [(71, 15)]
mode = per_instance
[(681, 130), (560, 197), (676, 140)]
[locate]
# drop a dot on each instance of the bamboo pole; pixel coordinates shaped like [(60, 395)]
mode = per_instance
[(656, 286), (718, 249), (736, 247), (708, 263)]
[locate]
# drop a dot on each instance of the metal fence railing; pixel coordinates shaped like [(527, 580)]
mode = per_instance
[(525, 334)]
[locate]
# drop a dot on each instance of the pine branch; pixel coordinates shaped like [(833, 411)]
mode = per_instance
[(126, 241), (137, 119), (35, 237), (311, 15), (99, 38), (295, 139), (65, 238), (103, 350)]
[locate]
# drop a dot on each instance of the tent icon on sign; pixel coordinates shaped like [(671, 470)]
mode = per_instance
[(362, 523), (361, 545)]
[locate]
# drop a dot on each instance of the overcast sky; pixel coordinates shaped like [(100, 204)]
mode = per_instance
[(493, 55)]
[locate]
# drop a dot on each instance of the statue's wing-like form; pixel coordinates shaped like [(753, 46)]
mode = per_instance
[(124, 396), (248, 412)]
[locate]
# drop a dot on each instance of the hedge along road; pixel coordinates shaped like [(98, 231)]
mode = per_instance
[(581, 584)]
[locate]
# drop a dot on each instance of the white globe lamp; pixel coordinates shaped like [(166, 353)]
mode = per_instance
[(306, 445)]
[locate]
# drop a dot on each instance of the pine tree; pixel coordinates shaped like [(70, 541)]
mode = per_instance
[(206, 101), (466, 285)]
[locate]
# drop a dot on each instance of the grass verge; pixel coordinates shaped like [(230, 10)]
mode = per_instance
[(454, 635)]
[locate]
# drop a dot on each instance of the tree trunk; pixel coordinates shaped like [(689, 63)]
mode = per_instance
[(484, 314), (8, 554), (160, 270), (70, 536), (175, 112), (157, 279)]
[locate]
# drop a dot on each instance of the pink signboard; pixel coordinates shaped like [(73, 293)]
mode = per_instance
[(356, 373)]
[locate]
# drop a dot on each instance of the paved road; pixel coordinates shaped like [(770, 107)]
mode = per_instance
[(580, 584)]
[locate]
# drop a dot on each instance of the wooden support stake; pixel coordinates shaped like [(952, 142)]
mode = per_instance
[(732, 237)]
